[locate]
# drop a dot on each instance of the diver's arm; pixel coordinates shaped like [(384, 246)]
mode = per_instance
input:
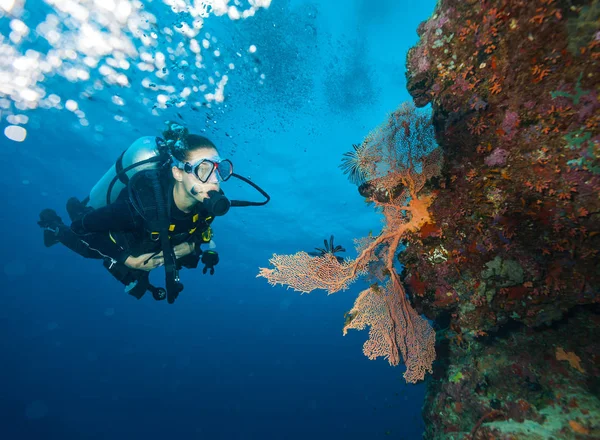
[(116, 217), (181, 250), (145, 262)]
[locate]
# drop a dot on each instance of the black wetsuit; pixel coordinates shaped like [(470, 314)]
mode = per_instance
[(117, 231)]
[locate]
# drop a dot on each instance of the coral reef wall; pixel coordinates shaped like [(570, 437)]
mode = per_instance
[(515, 234)]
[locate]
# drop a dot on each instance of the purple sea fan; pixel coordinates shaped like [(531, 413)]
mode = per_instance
[(497, 158)]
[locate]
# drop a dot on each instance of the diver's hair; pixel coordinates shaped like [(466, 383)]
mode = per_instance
[(180, 143)]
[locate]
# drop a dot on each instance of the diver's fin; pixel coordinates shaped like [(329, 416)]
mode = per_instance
[(50, 238), (76, 209), (50, 222)]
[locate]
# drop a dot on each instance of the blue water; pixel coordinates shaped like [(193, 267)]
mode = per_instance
[(233, 358)]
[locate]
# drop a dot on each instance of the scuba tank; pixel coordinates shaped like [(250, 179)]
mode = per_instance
[(134, 159), (144, 154)]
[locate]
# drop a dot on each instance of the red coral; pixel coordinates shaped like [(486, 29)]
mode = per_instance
[(417, 286)]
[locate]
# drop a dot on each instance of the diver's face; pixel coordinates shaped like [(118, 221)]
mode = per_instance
[(194, 186)]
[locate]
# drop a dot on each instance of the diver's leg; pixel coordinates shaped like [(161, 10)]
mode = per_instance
[(136, 281), (80, 245), (55, 231)]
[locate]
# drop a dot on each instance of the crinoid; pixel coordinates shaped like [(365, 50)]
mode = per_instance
[(329, 249), (357, 163)]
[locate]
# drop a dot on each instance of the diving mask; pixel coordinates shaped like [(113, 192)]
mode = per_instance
[(204, 168)]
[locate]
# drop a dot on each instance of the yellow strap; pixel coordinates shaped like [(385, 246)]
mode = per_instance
[(112, 238), (172, 228), (194, 220), (207, 235)]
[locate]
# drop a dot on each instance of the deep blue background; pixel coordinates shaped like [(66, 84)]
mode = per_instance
[(233, 358)]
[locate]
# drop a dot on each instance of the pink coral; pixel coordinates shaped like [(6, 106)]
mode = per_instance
[(396, 329), (404, 166), (497, 158), (423, 64), (510, 123)]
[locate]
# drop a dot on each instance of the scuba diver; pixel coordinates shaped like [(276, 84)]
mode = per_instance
[(154, 207)]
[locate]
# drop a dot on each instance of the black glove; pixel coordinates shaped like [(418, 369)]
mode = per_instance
[(210, 260)]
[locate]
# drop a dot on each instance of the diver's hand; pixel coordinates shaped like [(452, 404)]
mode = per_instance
[(210, 260), (146, 262), (183, 249), (150, 261)]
